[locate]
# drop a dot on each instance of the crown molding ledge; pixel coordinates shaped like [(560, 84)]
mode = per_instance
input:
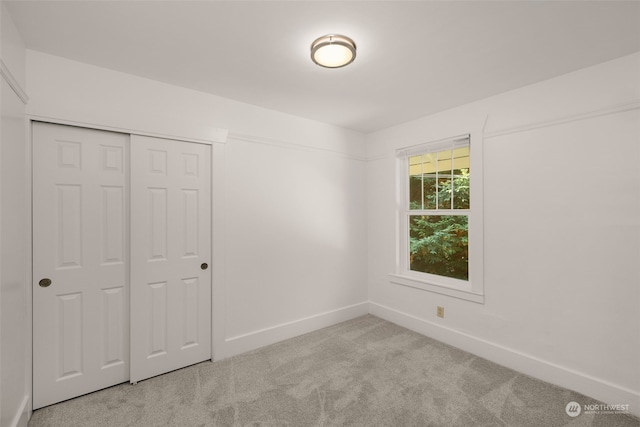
[(614, 109), (291, 146), (13, 83)]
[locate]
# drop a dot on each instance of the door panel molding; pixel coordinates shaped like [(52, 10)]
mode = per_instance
[(170, 239), (81, 313)]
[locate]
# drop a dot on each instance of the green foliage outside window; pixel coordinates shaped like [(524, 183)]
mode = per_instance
[(439, 244)]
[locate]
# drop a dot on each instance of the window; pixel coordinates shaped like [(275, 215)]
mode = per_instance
[(440, 229)]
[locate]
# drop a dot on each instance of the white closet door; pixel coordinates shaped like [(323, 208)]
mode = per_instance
[(80, 262), (170, 253)]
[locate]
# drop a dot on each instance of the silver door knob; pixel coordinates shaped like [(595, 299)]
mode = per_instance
[(45, 283)]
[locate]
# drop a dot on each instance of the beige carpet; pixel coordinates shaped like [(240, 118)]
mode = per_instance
[(364, 372)]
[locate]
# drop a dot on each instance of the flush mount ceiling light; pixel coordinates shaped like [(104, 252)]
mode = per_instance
[(333, 51)]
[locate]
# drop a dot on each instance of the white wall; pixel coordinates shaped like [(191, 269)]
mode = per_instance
[(289, 205), (562, 231), (15, 353), (295, 234)]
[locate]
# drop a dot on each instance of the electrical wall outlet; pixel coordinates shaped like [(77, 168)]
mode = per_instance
[(440, 312)]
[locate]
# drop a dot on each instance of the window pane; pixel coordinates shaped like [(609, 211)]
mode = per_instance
[(461, 178), (422, 181), (444, 179), (444, 191), (415, 182), (439, 244), (415, 192), (429, 180), (429, 185)]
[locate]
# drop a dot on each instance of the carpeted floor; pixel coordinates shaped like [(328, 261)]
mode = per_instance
[(364, 372)]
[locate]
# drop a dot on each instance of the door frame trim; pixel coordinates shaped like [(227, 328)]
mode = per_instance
[(219, 136)]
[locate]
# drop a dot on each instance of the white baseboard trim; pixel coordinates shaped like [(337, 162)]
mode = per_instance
[(564, 377), (21, 417), (263, 337)]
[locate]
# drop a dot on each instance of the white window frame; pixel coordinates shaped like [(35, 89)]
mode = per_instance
[(472, 289)]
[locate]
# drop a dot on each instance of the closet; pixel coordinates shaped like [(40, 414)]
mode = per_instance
[(121, 254)]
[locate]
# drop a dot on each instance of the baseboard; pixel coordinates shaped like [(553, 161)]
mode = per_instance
[(564, 377), (263, 337), (21, 417)]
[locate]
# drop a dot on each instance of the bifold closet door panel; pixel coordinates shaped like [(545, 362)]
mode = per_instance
[(80, 261), (170, 255)]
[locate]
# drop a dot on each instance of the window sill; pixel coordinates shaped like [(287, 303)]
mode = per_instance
[(430, 286)]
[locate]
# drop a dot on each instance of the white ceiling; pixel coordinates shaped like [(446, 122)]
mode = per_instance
[(414, 57)]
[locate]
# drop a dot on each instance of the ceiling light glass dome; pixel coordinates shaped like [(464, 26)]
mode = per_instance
[(333, 51)]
